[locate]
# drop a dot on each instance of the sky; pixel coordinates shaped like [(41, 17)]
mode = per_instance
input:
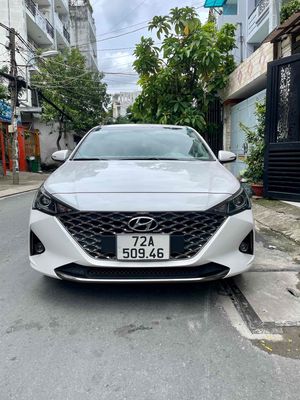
[(116, 17)]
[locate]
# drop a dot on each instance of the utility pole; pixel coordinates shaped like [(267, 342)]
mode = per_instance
[(14, 99)]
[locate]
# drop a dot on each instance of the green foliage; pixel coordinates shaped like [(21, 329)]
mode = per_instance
[(256, 141), (79, 92), (180, 77), (3, 87), (289, 9)]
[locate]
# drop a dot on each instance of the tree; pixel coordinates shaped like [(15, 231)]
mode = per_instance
[(180, 77), (3, 91), (256, 140), (289, 8), (78, 92)]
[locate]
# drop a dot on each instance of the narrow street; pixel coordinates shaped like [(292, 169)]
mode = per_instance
[(72, 341)]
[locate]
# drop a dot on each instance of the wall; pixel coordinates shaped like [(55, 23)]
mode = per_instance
[(243, 112), (48, 140), (241, 17), (17, 20), (81, 35), (251, 72)]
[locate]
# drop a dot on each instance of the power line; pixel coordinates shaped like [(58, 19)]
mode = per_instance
[(130, 12), (122, 34), (120, 73), (122, 29)]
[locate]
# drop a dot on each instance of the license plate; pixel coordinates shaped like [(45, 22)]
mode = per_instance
[(143, 247)]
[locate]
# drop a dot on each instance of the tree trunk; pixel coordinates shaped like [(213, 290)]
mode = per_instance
[(60, 132)]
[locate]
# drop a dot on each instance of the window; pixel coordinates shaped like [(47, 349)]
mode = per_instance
[(230, 8)]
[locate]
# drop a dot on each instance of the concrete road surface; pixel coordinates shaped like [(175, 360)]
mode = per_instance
[(62, 341)]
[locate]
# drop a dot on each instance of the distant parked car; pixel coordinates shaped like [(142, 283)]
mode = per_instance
[(141, 203)]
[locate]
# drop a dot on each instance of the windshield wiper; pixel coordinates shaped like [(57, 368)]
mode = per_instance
[(87, 159), (154, 158)]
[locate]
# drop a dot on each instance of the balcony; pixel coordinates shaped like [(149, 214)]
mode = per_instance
[(62, 34), (61, 6), (39, 28), (258, 22)]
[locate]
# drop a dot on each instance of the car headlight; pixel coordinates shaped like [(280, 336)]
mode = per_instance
[(46, 203), (237, 203)]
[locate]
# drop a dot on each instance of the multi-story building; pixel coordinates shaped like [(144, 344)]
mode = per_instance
[(121, 101), (83, 31), (43, 25), (255, 20)]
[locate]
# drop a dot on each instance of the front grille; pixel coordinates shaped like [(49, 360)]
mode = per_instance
[(202, 271), (96, 231)]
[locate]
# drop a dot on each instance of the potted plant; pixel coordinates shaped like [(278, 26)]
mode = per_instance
[(255, 158)]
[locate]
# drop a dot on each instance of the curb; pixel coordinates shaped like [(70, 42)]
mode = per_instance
[(283, 221), (13, 192)]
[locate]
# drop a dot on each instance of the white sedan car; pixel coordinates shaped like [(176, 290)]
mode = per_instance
[(141, 203)]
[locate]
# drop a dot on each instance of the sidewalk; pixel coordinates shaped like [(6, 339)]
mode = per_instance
[(279, 217), (28, 181)]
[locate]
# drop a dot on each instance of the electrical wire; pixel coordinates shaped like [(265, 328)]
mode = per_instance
[(122, 34), (130, 12), (122, 29)]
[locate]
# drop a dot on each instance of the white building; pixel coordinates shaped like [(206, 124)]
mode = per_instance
[(45, 25), (83, 31), (121, 101), (256, 19)]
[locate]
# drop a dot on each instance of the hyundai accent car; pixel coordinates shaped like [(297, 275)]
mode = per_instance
[(141, 203)]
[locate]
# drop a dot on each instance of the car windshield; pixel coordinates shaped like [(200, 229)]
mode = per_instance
[(143, 143)]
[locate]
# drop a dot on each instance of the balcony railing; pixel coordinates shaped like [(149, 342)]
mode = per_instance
[(257, 17), (49, 28), (32, 7), (262, 6), (66, 34), (61, 28), (41, 21)]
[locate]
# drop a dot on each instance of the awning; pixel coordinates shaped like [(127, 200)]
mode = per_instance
[(214, 3)]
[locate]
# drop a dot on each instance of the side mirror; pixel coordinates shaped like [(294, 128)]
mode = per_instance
[(226, 156), (60, 155)]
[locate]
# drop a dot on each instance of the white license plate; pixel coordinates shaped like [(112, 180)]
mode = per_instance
[(143, 247)]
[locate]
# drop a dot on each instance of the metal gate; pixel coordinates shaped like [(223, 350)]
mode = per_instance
[(214, 131), (282, 156)]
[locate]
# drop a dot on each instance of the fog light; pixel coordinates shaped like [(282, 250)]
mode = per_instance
[(244, 247), (247, 245), (36, 246), (39, 248)]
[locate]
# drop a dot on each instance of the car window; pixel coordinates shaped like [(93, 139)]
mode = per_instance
[(138, 142)]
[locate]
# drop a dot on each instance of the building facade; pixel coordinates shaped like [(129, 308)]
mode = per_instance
[(254, 20), (42, 25), (121, 101), (83, 31), (247, 84)]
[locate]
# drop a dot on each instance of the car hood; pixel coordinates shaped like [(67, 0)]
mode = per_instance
[(122, 182)]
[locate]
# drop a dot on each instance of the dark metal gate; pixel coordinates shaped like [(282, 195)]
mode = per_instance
[(282, 157), (214, 132)]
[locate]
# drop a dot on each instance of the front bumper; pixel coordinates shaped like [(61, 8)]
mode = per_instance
[(62, 250)]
